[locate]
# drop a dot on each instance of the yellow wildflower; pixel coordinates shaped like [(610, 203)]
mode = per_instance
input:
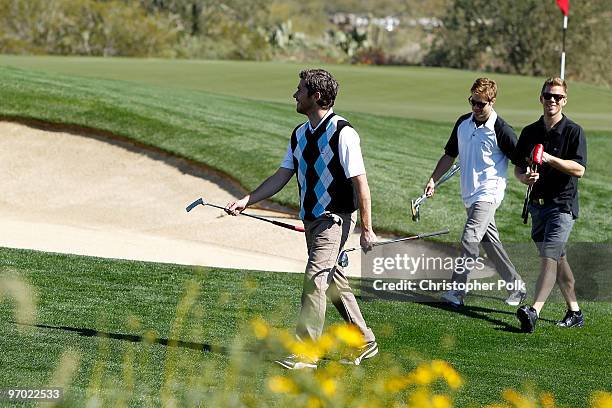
[(441, 401), (446, 371), (314, 402), (601, 399), (306, 349), (547, 400), (516, 399), (422, 375), (420, 398), (325, 343), (329, 387), (396, 384), (260, 328), (350, 335), (282, 385), (333, 369)]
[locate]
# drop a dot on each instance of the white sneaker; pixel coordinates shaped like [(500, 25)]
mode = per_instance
[(294, 362), (516, 298), (454, 297), (364, 352)]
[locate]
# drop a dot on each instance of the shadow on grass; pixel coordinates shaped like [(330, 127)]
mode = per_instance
[(473, 312), (208, 348)]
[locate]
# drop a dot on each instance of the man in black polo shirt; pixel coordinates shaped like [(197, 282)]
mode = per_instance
[(554, 199)]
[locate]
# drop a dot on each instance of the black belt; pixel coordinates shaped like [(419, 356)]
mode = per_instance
[(540, 201)]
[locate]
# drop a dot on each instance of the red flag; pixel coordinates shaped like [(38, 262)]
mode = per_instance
[(564, 6)]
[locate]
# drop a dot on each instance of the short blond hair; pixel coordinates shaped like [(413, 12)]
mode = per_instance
[(485, 87), (554, 81)]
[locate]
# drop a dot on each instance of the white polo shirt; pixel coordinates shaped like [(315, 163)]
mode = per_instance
[(483, 156)]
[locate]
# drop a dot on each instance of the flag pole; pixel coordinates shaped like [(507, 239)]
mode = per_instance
[(563, 47)]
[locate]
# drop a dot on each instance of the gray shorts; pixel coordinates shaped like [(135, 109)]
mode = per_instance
[(550, 229)]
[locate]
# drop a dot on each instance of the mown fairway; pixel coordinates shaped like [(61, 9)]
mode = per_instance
[(408, 92), (120, 318), (103, 310), (247, 139)]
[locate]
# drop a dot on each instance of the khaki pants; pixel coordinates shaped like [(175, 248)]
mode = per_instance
[(325, 237)]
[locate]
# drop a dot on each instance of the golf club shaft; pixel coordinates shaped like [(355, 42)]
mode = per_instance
[(448, 174), (426, 235), (429, 234), (278, 223), (444, 178)]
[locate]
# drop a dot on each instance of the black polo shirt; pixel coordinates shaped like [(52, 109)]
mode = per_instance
[(566, 141)]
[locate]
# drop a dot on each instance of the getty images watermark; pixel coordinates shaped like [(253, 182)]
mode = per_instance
[(403, 272), (423, 273)]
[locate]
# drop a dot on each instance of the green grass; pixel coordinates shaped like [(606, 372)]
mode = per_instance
[(247, 139), (408, 92), (236, 117), (86, 304)]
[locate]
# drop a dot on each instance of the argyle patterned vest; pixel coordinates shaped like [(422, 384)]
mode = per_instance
[(322, 184)]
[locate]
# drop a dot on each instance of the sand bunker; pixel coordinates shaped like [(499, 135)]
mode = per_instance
[(67, 193)]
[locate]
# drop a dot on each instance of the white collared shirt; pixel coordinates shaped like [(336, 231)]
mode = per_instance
[(483, 156)]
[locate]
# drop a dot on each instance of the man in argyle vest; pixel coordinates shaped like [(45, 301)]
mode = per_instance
[(325, 155)]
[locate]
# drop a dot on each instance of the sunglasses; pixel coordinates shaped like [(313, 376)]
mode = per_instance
[(477, 104), (549, 96)]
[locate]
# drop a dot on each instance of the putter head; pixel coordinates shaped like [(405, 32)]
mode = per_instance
[(414, 209), (195, 204), (343, 259)]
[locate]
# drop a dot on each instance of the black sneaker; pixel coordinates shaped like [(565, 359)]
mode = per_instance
[(369, 350), (528, 317), (572, 319)]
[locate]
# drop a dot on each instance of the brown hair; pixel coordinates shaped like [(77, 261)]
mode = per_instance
[(554, 81), (485, 87), (319, 80)]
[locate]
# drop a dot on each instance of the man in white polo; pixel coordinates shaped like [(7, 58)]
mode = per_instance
[(484, 142)]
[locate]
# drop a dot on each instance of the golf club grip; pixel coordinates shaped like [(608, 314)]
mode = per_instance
[(288, 226), (192, 206), (278, 223), (525, 213)]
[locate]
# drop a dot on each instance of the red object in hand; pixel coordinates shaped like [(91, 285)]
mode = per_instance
[(564, 6), (538, 152)]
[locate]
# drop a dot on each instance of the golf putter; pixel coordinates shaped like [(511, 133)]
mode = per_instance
[(415, 205), (343, 259), (201, 201), (536, 159)]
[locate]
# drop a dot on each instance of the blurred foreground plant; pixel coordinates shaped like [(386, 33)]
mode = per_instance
[(189, 372)]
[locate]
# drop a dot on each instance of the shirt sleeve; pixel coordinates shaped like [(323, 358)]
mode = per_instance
[(452, 146), (287, 162), (520, 152), (506, 140), (579, 147), (349, 151)]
